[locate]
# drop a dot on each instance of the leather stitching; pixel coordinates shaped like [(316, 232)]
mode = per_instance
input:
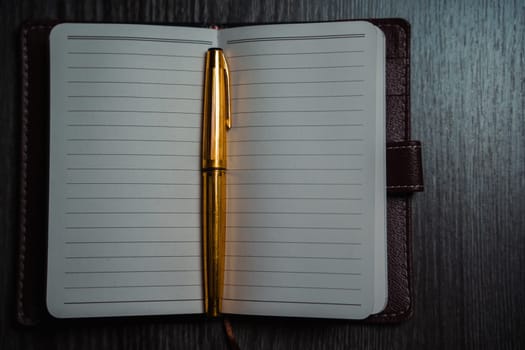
[(23, 191), (405, 186), (404, 147), (23, 209)]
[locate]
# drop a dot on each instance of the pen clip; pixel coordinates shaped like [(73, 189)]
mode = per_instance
[(228, 94)]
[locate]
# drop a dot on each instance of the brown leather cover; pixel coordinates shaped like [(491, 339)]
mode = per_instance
[(403, 173)]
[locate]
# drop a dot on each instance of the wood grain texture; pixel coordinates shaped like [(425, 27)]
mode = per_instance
[(468, 108)]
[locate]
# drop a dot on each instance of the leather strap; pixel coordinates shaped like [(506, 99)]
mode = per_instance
[(403, 166)]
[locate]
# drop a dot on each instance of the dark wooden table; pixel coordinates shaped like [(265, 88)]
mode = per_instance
[(468, 108)]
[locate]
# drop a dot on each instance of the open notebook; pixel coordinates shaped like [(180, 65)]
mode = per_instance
[(306, 192)]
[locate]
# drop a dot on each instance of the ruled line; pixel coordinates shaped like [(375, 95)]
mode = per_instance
[(134, 286), (136, 68), (286, 287), (294, 154), (128, 111), (130, 54), (129, 271), (132, 183), (131, 257), (295, 53), (292, 257), (303, 198), (128, 301), (136, 97), (300, 111), (298, 272), (295, 125), (130, 82), (294, 68), (296, 242), (129, 212), (296, 169), (132, 140), (300, 82), (292, 140), (126, 242), (290, 213), (135, 126), (122, 227), (288, 302), (297, 227), (148, 169), (133, 154), (294, 38), (138, 38), (292, 183), (296, 96), (104, 198)]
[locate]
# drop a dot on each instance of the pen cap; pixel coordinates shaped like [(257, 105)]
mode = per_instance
[(216, 116)]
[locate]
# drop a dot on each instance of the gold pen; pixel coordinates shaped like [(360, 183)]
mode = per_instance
[(216, 120)]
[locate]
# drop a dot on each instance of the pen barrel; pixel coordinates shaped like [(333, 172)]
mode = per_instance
[(214, 229)]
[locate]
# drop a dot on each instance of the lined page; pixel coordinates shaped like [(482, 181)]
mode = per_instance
[(302, 178), (124, 222)]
